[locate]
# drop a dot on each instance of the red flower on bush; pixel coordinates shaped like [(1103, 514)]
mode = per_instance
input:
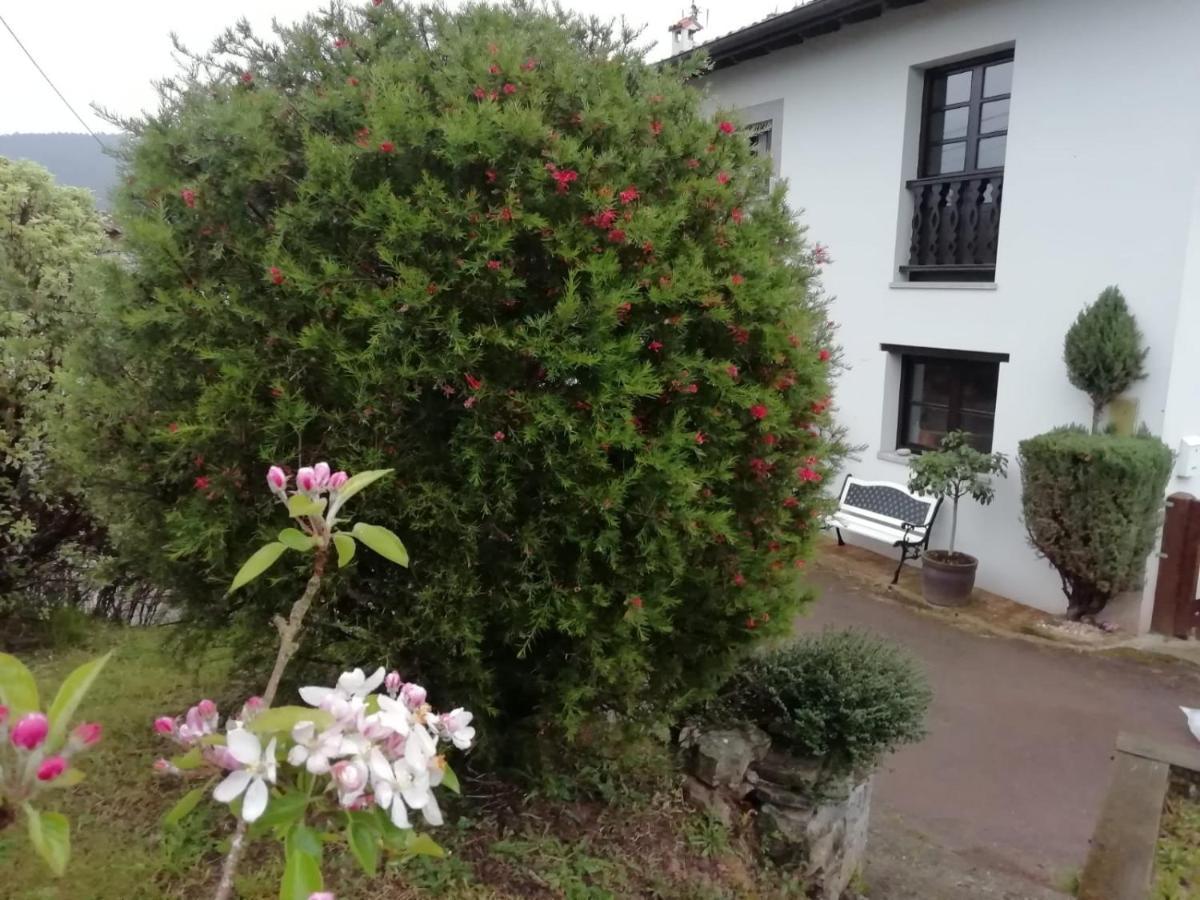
[(635, 602), (739, 579), (758, 411), (656, 128), (654, 346), (498, 436), (819, 406), (605, 219), (617, 236), (692, 388), (386, 147), (247, 78), (628, 195), (770, 440), (693, 163), (352, 81), (562, 177), (740, 335), (341, 42), (472, 382), (490, 175), (760, 467), (807, 474), (820, 254), (823, 355), (727, 128), (479, 93), (732, 371), (791, 503), (494, 264), (201, 483), (735, 279), (701, 437), (173, 427), (276, 275), (505, 215), (494, 69), (722, 178), (529, 65), (736, 215), (624, 310), (647, 246), (189, 198), (510, 88)]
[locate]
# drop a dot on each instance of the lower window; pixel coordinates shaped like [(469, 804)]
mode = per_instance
[(944, 391)]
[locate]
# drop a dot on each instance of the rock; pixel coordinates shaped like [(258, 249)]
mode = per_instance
[(723, 756), (808, 775), (766, 792), (825, 844), (708, 800)]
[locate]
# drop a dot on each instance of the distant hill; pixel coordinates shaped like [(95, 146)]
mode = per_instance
[(73, 159)]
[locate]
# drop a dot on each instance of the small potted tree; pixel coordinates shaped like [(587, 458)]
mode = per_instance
[(955, 471)]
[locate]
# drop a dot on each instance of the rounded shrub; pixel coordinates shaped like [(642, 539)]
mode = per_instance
[(1092, 504), (493, 250), (842, 696)]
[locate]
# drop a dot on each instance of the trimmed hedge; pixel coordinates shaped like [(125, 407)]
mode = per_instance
[(843, 696), (1091, 504)]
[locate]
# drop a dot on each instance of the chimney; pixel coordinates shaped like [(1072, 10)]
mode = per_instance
[(683, 32)]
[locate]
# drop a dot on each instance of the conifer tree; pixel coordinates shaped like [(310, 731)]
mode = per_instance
[(1103, 351)]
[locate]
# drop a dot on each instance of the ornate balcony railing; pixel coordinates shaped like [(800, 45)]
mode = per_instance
[(955, 227)]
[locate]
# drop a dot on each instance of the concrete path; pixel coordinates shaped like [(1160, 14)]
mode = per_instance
[(1012, 775)]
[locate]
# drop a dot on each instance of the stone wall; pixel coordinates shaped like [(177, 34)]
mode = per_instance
[(809, 821)]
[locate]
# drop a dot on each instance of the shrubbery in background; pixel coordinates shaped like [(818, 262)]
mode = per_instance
[(1103, 351), (842, 696), (1091, 504), (49, 236), (493, 250)]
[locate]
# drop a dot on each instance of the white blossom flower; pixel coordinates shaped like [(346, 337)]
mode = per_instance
[(314, 750), (456, 726), (399, 788), (351, 777), (350, 685), (258, 769)]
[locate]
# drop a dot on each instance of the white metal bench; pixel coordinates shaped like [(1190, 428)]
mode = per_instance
[(888, 512)]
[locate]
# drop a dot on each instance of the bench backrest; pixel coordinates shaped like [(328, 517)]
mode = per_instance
[(887, 502)]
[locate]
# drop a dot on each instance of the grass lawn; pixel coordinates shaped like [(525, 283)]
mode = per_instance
[(1177, 860), (502, 842)]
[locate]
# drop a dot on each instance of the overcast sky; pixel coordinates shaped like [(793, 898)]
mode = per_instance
[(108, 51)]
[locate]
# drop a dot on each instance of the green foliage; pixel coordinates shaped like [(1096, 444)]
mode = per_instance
[(1177, 856), (50, 835), (49, 235), (956, 470), (1103, 351), (843, 696), (1092, 505), (347, 251)]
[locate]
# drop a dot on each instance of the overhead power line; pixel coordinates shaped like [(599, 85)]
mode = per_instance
[(42, 72)]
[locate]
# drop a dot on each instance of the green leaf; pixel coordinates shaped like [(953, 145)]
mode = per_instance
[(184, 807), (382, 541), (285, 718), (18, 690), (263, 559), (282, 813), (450, 780), (295, 539), (357, 482), (187, 761), (422, 845), (50, 834), (345, 548), (305, 840), (301, 875), (68, 779), (303, 505), (363, 833), (69, 696)]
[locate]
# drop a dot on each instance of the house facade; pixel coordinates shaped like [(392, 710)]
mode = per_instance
[(980, 170)]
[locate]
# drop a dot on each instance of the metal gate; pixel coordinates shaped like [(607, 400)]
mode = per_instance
[(1176, 601)]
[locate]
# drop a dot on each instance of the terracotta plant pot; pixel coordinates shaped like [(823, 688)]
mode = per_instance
[(947, 578)]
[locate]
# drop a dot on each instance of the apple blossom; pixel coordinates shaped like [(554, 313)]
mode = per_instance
[(321, 472), (258, 769), (164, 725), (350, 777), (392, 683), (337, 479), (276, 479), (312, 750), (457, 727), (323, 895), (87, 733), (349, 684), (30, 730), (306, 479), (3, 714), (51, 768), (413, 695)]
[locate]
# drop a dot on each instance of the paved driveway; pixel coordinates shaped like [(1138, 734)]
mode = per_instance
[(1015, 767)]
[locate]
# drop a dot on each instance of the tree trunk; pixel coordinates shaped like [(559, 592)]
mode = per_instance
[(1097, 409), (1085, 600), (953, 524)]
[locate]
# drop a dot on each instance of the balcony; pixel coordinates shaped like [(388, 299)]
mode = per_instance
[(955, 227)]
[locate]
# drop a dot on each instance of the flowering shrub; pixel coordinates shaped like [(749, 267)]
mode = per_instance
[(496, 251), (38, 751), (352, 754)]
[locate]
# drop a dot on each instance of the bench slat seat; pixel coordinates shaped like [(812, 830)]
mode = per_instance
[(887, 512)]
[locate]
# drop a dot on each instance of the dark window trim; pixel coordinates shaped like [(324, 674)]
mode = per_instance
[(911, 356), (969, 355), (974, 107)]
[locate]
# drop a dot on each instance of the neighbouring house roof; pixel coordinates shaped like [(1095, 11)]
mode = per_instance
[(813, 19)]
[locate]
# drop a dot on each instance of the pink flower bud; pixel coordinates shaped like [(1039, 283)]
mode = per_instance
[(337, 479), (164, 766), (207, 709), (87, 733), (392, 683), (164, 725), (323, 895), (276, 480), (254, 704), (30, 731), (348, 776), (51, 768), (413, 695), (321, 471), (3, 714), (306, 479)]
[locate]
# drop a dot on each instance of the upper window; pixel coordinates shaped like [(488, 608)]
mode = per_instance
[(944, 391), (760, 137), (965, 122)]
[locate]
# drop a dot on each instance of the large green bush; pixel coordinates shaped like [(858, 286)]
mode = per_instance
[(1092, 505), (49, 235), (843, 696), (496, 251)]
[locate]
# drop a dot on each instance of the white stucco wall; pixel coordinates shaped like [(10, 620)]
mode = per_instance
[(1101, 187)]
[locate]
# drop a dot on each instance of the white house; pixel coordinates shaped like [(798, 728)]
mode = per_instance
[(980, 170)]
